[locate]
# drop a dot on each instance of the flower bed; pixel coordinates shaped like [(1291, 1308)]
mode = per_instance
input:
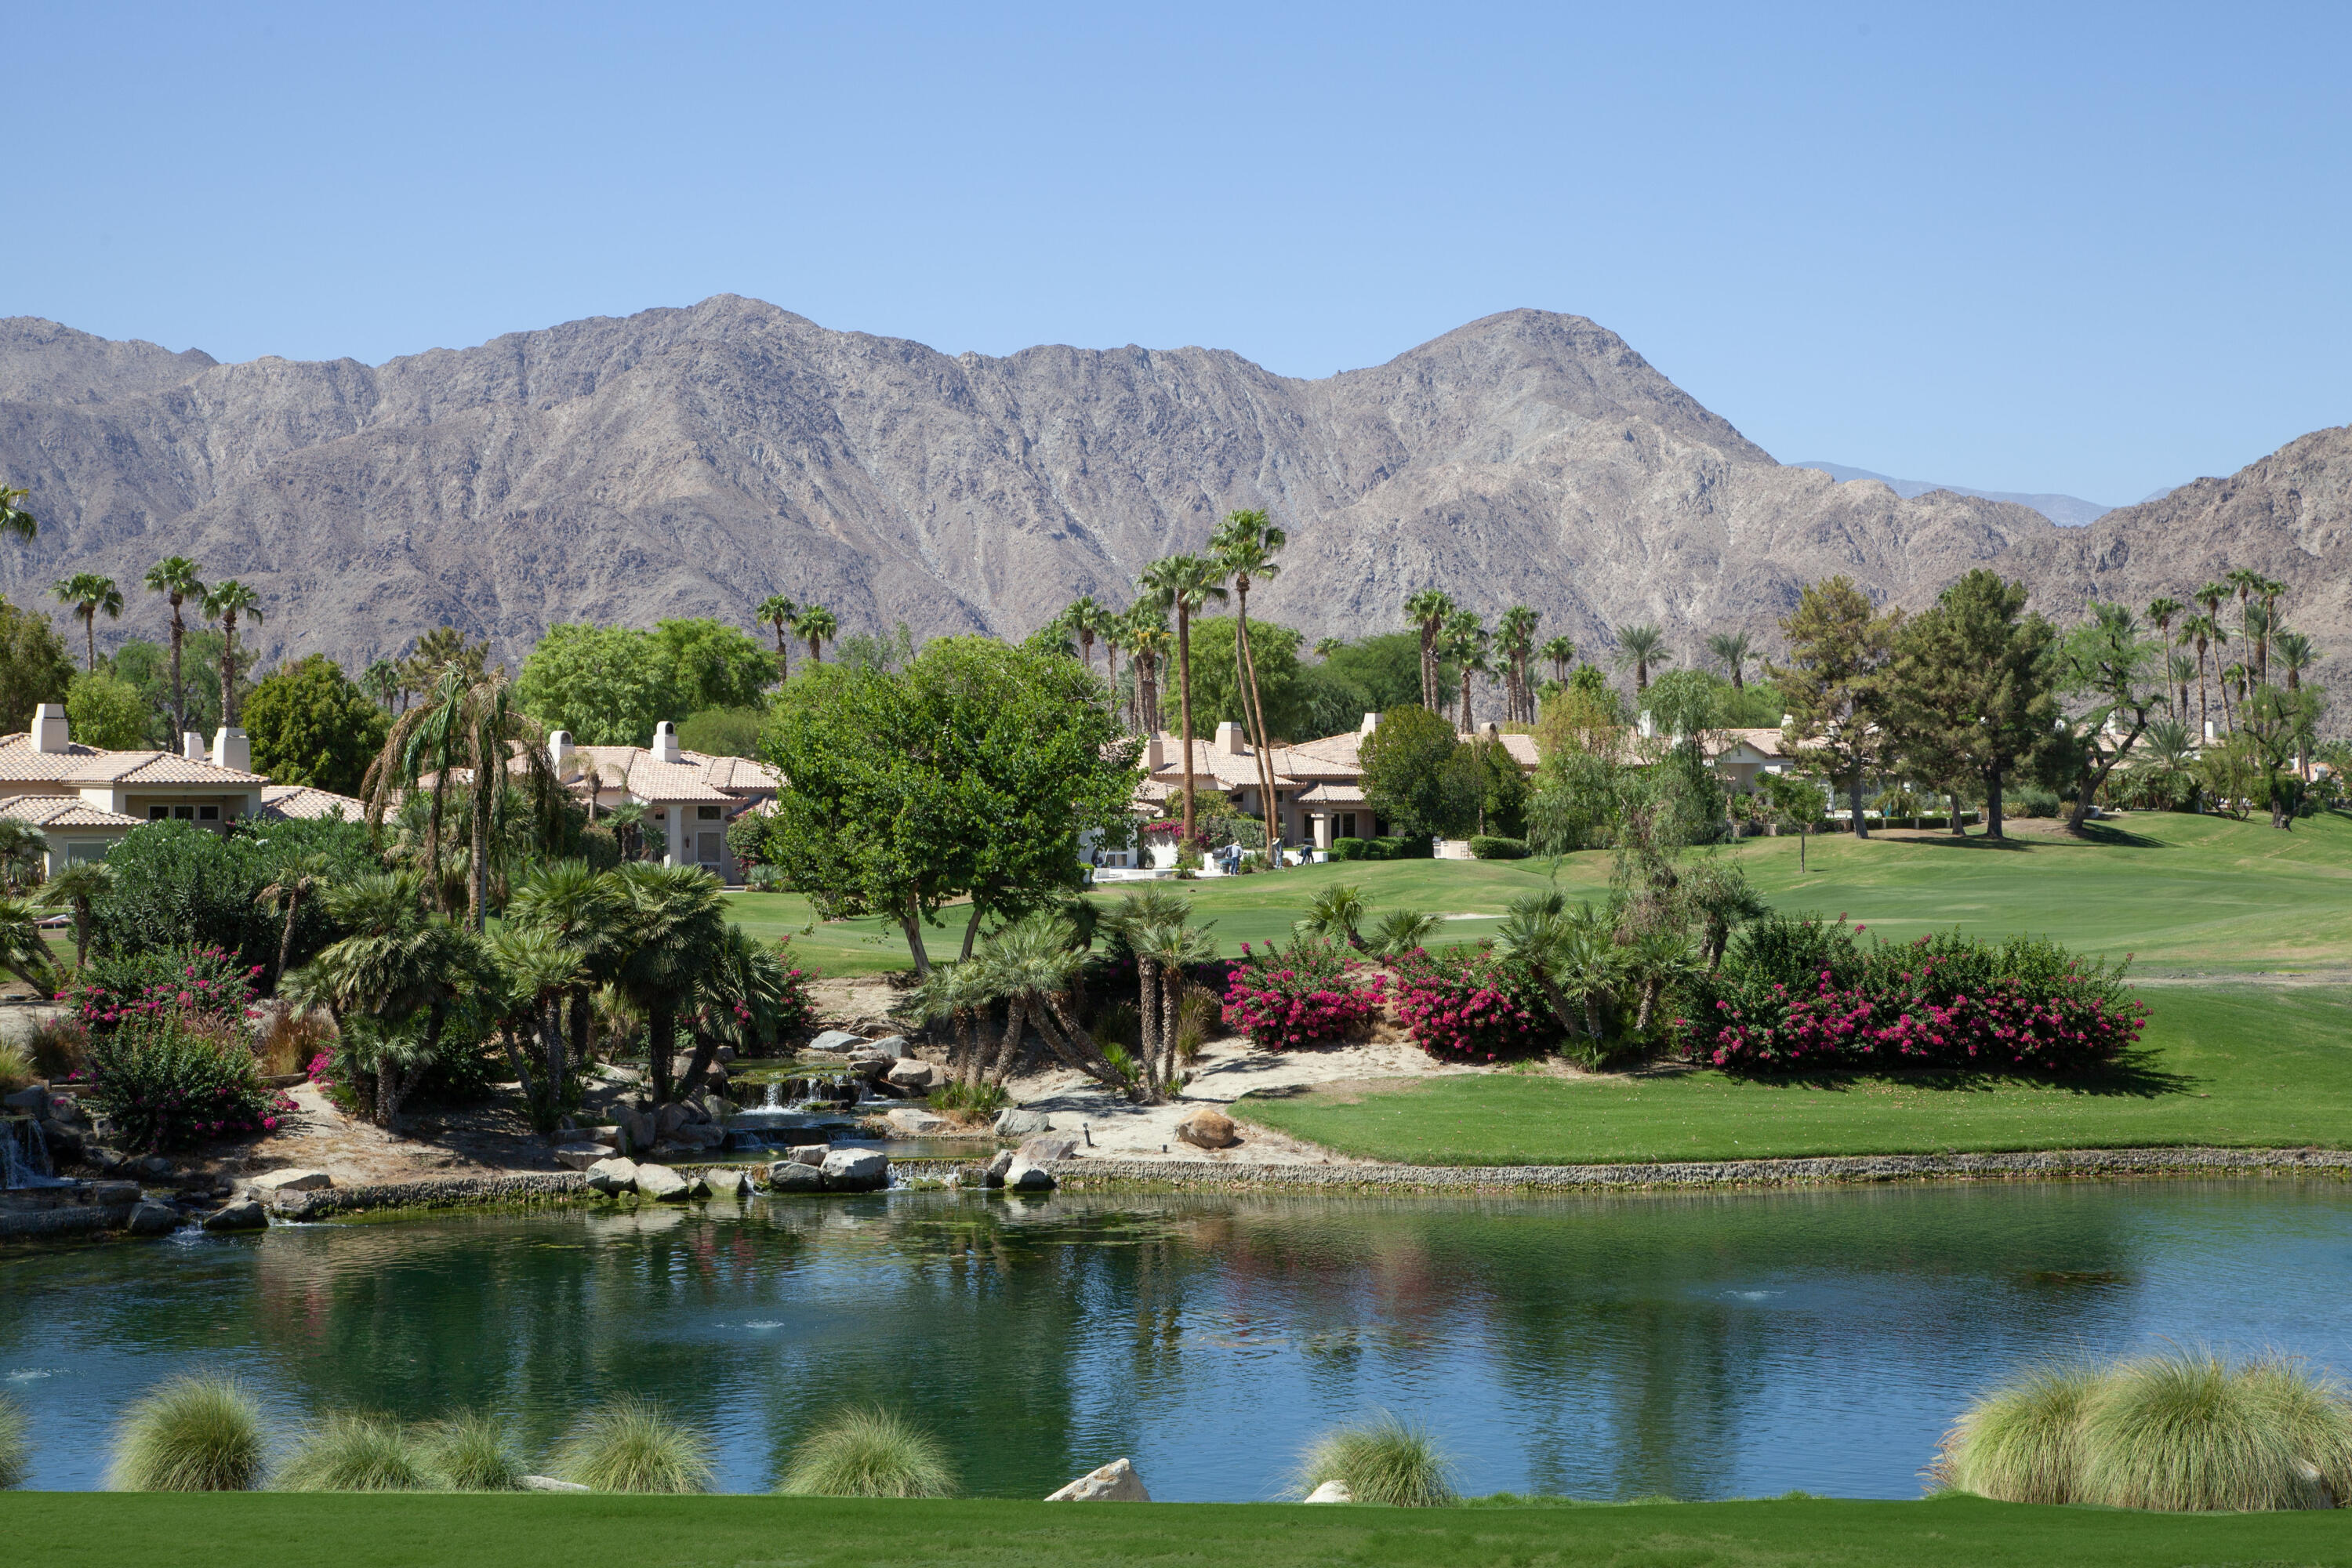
[(1314, 993), (1470, 1006), (1806, 994), (201, 980)]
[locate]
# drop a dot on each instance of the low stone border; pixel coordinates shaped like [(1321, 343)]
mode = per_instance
[(447, 1191), (73, 1219), (2040, 1164)]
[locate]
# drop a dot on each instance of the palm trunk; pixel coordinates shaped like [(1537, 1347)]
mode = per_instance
[(285, 938), (539, 1118), (178, 691), (1171, 1027), (478, 883), (661, 1030), (1073, 1045), (1649, 990), (228, 664), (581, 1009), (550, 1033), (1147, 1012), (1184, 703), (1256, 715), (1008, 1045), (82, 935), (90, 635)]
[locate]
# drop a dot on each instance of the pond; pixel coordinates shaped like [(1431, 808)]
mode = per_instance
[(1698, 1346)]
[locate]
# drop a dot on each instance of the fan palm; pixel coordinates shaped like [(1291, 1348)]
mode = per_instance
[(1514, 640), (1642, 647), (1154, 924), (398, 963), (226, 602), (24, 849), (1572, 956), (1184, 584), (77, 885), (1334, 915), (14, 518), (1084, 618), (1465, 642), (1734, 649), (2179, 672), (1147, 641), (175, 578), (296, 877), (539, 968), (779, 612), (1401, 930), (816, 626), (674, 928), (1429, 610), (741, 990), (90, 593), (22, 951), (1245, 544), (1561, 653), (587, 910)]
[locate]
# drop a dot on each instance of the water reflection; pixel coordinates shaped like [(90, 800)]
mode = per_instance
[(1696, 1345)]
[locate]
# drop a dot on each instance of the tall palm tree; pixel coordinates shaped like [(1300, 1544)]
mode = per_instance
[(1428, 610), (384, 683), (14, 518), (1184, 583), (1112, 628), (2182, 669), (424, 744), (1735, 650), (2203, 631), (1464, 642), (2162, 612), (672, 928), (225, 603), (77, 886), (2247, 582), (1642, 647), (816, 626), (1084, 618), (175, 578), (2269, 592), (396, 963), (2296, 652), (539, 969), (1514, 640), (587, 910), (496, 741), (1244, 545), (297, 877), (1561, 653), (1148, 644), (88, 593), (779, 612)]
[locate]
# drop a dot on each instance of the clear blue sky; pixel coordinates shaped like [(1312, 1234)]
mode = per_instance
[(2096, 250)]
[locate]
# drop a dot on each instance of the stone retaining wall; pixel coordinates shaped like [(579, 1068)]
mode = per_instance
[(448, 1192), (72, 1219)]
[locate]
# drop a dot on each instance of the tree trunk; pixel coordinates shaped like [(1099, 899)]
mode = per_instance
[(1650, 989), (540, 1117), (1008, 1045), (910, 921), (698, 1066), (1853, 802), (1993, 802), (228, 664), (1079, 1048), (285, 939), (1147, 1007), (1256, 714), (478, 883), (1172, 987), (178, 691), (661, 1031), (1954, 796), (550, 1033), (583, 1015)]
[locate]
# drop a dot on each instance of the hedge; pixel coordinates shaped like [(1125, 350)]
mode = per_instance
[(1488, 846)]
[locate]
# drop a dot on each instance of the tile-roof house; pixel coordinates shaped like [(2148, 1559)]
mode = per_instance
[(84, 798), (690, 798)]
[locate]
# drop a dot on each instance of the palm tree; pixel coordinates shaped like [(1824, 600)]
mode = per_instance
[(1561, 653), (1429, 610), (2162, 612), (493, 734), (815, 625), (1245, 544), (1466, 644), (1733, 649), (14, 518), (1571, 955), (1084, 619), (2180, 670), (539, 969), (1334, 915), (1514, 640), (2203, 630), (2248, 582), (422, 743), (23, 850), (1147, 641), (383, 682), (88, 593), (397, 963), (175, 578), (587, 910), (297, 877), (24, 951), (228, 601), (77, 885), (1642, 647), (1184, 583), (779, 612), (739, 993), (2270, 591), (1326, 647), (1164, 951), (674, 924)]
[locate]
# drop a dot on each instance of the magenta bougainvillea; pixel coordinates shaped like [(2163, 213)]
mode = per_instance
[(1470, 1006), (1312, 993)]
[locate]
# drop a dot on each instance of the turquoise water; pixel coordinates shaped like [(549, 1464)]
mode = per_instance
[(1720, 1345)]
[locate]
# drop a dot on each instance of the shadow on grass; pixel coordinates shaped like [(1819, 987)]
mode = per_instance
[(2135, 1075)]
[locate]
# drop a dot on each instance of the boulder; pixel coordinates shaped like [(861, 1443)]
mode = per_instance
[(1209, 1127), (1021, 1123), (274, 1182), (33, 1101), (1331, 1491), (105, 1161), (809, 1154), (723, 1055), (894, 1046), (574, 1156), (700, 1187), (791, 1176), (836, 1040), (917, 1123), (700, 1135), (156, 1168), (915, 1077), (549, 1484), (661, 1181), (870, 1065), (1048, 1147), (669, 1119), (855, 1171), (1113, 1482), (245, 1215), (612, 1176), (1027, 1175), (153, 1219), (742, 1186), (992, 1174), (609, 1137)]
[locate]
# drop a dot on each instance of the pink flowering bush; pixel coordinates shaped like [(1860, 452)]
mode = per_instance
[(174, 1079), (1314, 993), (200, 980), (1468, 1005), (796, 999), (1806, 994)]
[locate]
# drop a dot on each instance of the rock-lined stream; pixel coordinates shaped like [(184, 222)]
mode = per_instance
[(1695, 1345)]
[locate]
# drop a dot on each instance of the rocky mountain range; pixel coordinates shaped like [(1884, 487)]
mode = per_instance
[(2071, 510), (692, 462)]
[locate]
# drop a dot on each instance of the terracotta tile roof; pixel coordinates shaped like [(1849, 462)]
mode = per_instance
[(1764, 741), (45, 810), (77, 763), (302, 802), (696, 776), (1331, 792)]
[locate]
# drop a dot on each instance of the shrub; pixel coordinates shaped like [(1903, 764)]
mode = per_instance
[(1801, 993), (1384, 1461), (796, 1001), (353, 1453), (1351, 849), (291, 1041), (1314, 993), (198, 980), (1196, 1009), (192, 1435), (16, 1445), (59, 1049), (868, 1453), (1467, 1005), (176, 884), (972, 1101), (631, 1447), (170, 1082), (2031, 801), (2022, 1442), (1487, 846)]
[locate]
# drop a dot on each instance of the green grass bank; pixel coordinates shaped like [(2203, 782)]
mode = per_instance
[(62, 1529)]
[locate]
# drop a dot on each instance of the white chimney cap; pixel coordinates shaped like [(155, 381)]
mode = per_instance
[(231, 749), (665, 741), (49, 728), (192, 746), (1229, 738), (1155, 754), (1372, 722)]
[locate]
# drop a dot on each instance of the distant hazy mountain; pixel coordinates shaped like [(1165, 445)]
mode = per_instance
[(692, 462), (2071, 510)]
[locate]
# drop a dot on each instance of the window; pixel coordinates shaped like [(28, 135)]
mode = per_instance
[(86, 849), (1347, 825), (184, 813), (159, 813), (707, 848), (208, 814), (706, 812)]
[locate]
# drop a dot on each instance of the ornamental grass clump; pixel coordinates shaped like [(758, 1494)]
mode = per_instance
[(630, 1446), (2022, 1442), (16, 1445), (869, 1452), (1383, 1461), (349, 1452), (473, 1452), (199, 1434)]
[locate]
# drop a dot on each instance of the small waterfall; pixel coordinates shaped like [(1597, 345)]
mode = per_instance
[(769, 1099), (24, 1156)]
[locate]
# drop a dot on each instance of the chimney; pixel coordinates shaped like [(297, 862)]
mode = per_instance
[(559, 752), (1372, 722), (232, 750), (1649, 731), (2209, 732), (1787, 720), (192, 746), (1229, 739), (49, 734), (1490, 731), (664, 741), (1155, 754)]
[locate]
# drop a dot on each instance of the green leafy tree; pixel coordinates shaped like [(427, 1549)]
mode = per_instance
[(309, 725), (1219, 687), (90, 593), (107, 713), (2117, 675), (35, 667), (175, 578), (176, 884), (1405, 773), (723, 731), (1838, 647), (1972, 687), (609, 686), (712, 665)]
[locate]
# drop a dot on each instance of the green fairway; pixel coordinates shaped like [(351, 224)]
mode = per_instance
[(2232, 1065), (2186, 895), (87, 1529)]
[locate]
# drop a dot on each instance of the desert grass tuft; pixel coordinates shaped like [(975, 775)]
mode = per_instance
[(2022, 1442), (15, 1067), (1383, 1461), (869, 1452), (2314, 1414), (349, 1452), (16, 1445), (195, 1434), (630, 1446), (473, 1452), (2183, 1432)]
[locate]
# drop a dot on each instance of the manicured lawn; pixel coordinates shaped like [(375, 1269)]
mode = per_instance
[(2227, 1065), (65, 1529), (2186, 895)]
